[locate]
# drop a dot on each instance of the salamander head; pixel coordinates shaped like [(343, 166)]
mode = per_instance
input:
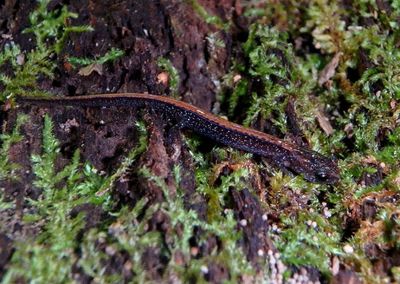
[(328, 174), (313, 167)]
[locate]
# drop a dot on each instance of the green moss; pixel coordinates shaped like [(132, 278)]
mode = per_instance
[(206, 16), (269, 55), (128, 234), (361, 100), (47, 25), (7, 169), (308, 240), (53, 250), (50, 256), (128, 161), (184, 223), (173, 74), (110, 56), (50, 31)]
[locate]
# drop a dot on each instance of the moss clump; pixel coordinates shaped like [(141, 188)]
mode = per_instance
[(284, 57), (173, 79), (50, 256), (50, 30)]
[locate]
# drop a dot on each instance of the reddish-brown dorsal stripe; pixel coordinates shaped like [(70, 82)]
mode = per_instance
[(288, 156)]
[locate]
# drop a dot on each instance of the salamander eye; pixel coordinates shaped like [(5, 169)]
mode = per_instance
[(321, 175)]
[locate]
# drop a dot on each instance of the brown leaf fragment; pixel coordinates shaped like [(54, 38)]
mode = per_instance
[(67, 66), (8, 104), (393, 104), (324, 123), (94, 67), (329, 70)]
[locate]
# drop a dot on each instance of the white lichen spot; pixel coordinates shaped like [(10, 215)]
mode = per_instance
[(204, 269), (260, 252), (348, 249)]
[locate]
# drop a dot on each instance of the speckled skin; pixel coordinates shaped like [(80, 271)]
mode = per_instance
[(288, 156)]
